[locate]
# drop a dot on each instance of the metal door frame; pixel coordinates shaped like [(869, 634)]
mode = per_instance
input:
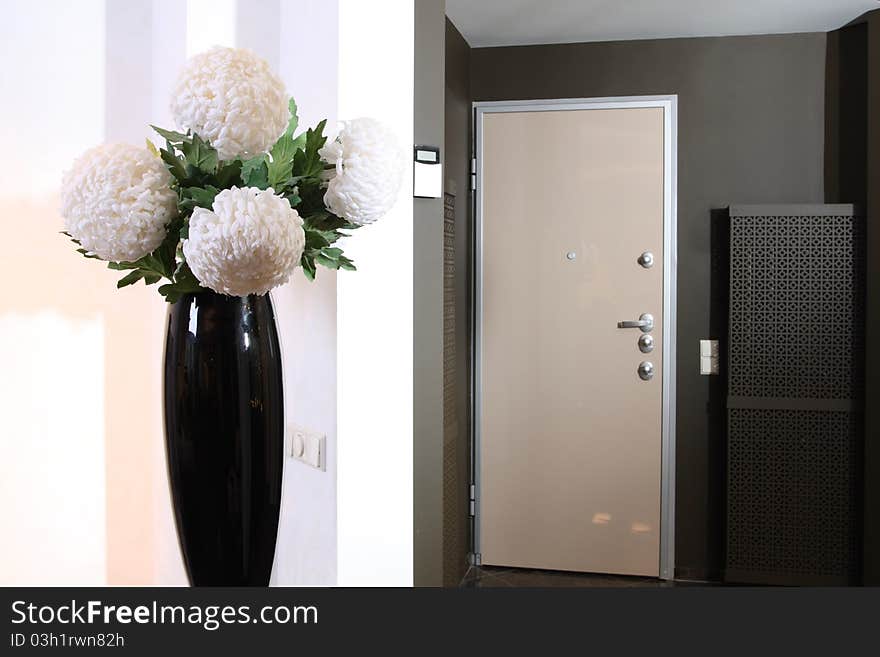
[(669, 104)]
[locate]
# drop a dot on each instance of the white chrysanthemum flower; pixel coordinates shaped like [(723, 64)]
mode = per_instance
[(369, 169), (250, 242), (231, 98), (117, 201)]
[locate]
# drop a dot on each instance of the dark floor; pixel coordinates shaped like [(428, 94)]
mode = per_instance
[(491, 576)]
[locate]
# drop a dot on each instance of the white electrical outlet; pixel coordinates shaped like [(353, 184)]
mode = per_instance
[(708, 357), (308, 447)]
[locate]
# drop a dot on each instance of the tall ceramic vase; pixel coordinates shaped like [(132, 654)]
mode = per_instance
[(224, 435)]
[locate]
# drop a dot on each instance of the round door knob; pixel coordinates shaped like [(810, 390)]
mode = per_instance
[(646, 370), (646, 344), (646, 260)]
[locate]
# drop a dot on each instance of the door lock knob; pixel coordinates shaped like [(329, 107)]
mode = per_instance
[(645, 323), (646, 343), (646, 260), (646, 370)]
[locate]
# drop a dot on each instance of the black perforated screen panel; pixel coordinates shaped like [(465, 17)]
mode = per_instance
[(795, 385)]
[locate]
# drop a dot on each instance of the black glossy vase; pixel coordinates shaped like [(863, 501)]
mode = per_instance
[(224, 435)]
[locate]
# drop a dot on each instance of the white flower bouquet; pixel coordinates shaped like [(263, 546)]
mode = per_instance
[(238, 199)]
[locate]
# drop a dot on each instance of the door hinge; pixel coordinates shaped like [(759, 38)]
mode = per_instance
[(473, 500), (473, 173)]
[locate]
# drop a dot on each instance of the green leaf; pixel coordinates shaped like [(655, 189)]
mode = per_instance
[(325, 220), (172, 136), (197, 197), (174, 164), (185, 277), (166, 254), (322, 229), (229, 174), (152, 148), (152, 264), (130, 279), (122, 266), (170, 292), (307, 161), (255, 172), (315, 138), (200, 155), (137, 275), (294, 119), (185, 282), (292, 198), (281, 164), (317, 239), (87, 254), (308, 266), (324, 261), (299, 142), (330, 257)]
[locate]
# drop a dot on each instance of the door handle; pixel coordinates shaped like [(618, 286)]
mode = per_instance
[(645, 322)]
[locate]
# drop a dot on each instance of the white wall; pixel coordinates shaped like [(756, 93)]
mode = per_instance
[(53, 90), (375, 314), (307, 314), (52, 347), (209, 23)]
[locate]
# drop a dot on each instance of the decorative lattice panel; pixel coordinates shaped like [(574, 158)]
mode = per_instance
[(793, 494), (795, 385), (797, 306)]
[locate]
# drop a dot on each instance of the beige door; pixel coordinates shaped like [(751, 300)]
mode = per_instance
[(569, 433)]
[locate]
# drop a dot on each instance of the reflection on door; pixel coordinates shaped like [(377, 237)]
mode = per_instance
[(571, 354)]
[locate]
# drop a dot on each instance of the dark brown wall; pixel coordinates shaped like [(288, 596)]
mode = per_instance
[(456, 476), (852, 102), (852, 170), (751, 130), (872, 314), (846, 115), (428, 128)]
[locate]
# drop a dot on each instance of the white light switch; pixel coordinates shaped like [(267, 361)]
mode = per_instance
[(308, 447), (708, 357)]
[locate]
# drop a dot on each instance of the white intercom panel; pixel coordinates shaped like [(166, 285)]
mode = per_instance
[(427, 172)]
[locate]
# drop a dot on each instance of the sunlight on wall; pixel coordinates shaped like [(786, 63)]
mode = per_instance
[(145, 48), (52, 451), (52, 464)]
